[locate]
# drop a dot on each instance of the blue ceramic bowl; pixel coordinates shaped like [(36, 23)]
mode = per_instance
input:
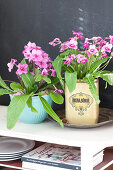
[(29, 117)]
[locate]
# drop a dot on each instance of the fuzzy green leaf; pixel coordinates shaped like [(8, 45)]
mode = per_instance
[(108, 77), (57, 98), (71, 79), (38, 78), (69, 69), (54, 80), (97, 64), (23, 61), (90, 80), (28, 80), (15, 108), (50, 111), (4, 91), (16, 86), (3, 84), (29, 103), (48, 80), (57, 64)]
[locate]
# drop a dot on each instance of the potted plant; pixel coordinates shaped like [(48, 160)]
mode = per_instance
[(82, 69), (31, 97)]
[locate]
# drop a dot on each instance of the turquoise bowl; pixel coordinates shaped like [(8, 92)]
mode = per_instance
[(29, 117)]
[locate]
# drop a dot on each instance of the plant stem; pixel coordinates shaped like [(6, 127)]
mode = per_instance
[(10, 81)]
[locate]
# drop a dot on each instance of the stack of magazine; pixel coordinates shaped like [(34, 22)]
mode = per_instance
[(56, 157)]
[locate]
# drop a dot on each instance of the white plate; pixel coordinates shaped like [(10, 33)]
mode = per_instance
[(15, 154), (10, 146), (10, 159)]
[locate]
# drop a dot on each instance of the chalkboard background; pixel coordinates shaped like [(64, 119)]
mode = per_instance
[(41, 21)]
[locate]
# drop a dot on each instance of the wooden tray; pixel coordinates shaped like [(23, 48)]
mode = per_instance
[(105, 117)]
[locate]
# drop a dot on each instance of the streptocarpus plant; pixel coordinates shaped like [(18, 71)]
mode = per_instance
[(36, 78), (85, 65)]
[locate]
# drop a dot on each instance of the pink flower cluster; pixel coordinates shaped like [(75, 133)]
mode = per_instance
[(97, 44), (41, 59), (71, 44), (79, 58), (36, 55)]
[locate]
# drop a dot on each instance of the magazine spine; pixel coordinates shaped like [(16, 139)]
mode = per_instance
[(49, 163)]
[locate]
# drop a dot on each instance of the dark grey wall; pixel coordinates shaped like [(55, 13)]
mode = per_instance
[(42, 20)]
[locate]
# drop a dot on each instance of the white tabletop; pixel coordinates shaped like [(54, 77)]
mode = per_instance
[(51, 132)]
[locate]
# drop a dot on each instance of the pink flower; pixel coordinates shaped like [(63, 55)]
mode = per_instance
[(55, 42), (106, 48), (30, 46), (64, 46), (41, 64), (67, 62), (92, 50), (49, 66), (45, 72), (22, 68), (72, 44), (45, 57), (57, 90), (17, 94), (111, 39), (81, 58), (53, 74), (11, 64), (78, 34), (86, 43), (36, 55), (72, 57), (96, 38), (28, 55), (104, 55), (102, 43)]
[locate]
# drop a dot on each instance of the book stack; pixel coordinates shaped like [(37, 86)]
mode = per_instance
[(56, 157)]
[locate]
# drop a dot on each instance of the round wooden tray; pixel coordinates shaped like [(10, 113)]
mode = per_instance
[(105, 117)]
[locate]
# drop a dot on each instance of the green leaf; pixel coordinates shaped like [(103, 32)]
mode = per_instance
[(29, 103), (97, 64), (90, 80), (3, 84), (28, 80), (71, 79), (57, 98), (23, 61), (16, 86), (15, 108), (57, 64), (69, 69), (54, 80), (48, 80), (50, 111), (4, 91), (38, 78), (108, 77), (65, 53)]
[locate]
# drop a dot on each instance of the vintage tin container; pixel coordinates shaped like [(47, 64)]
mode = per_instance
[(80, 106)]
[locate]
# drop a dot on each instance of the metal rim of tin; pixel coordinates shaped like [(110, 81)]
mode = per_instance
[(105, 117)]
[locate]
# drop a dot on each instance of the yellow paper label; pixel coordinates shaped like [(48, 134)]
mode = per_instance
[(81, 102)]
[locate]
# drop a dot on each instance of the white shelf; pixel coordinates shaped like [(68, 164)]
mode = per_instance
[(90, 140), (51, 132)]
